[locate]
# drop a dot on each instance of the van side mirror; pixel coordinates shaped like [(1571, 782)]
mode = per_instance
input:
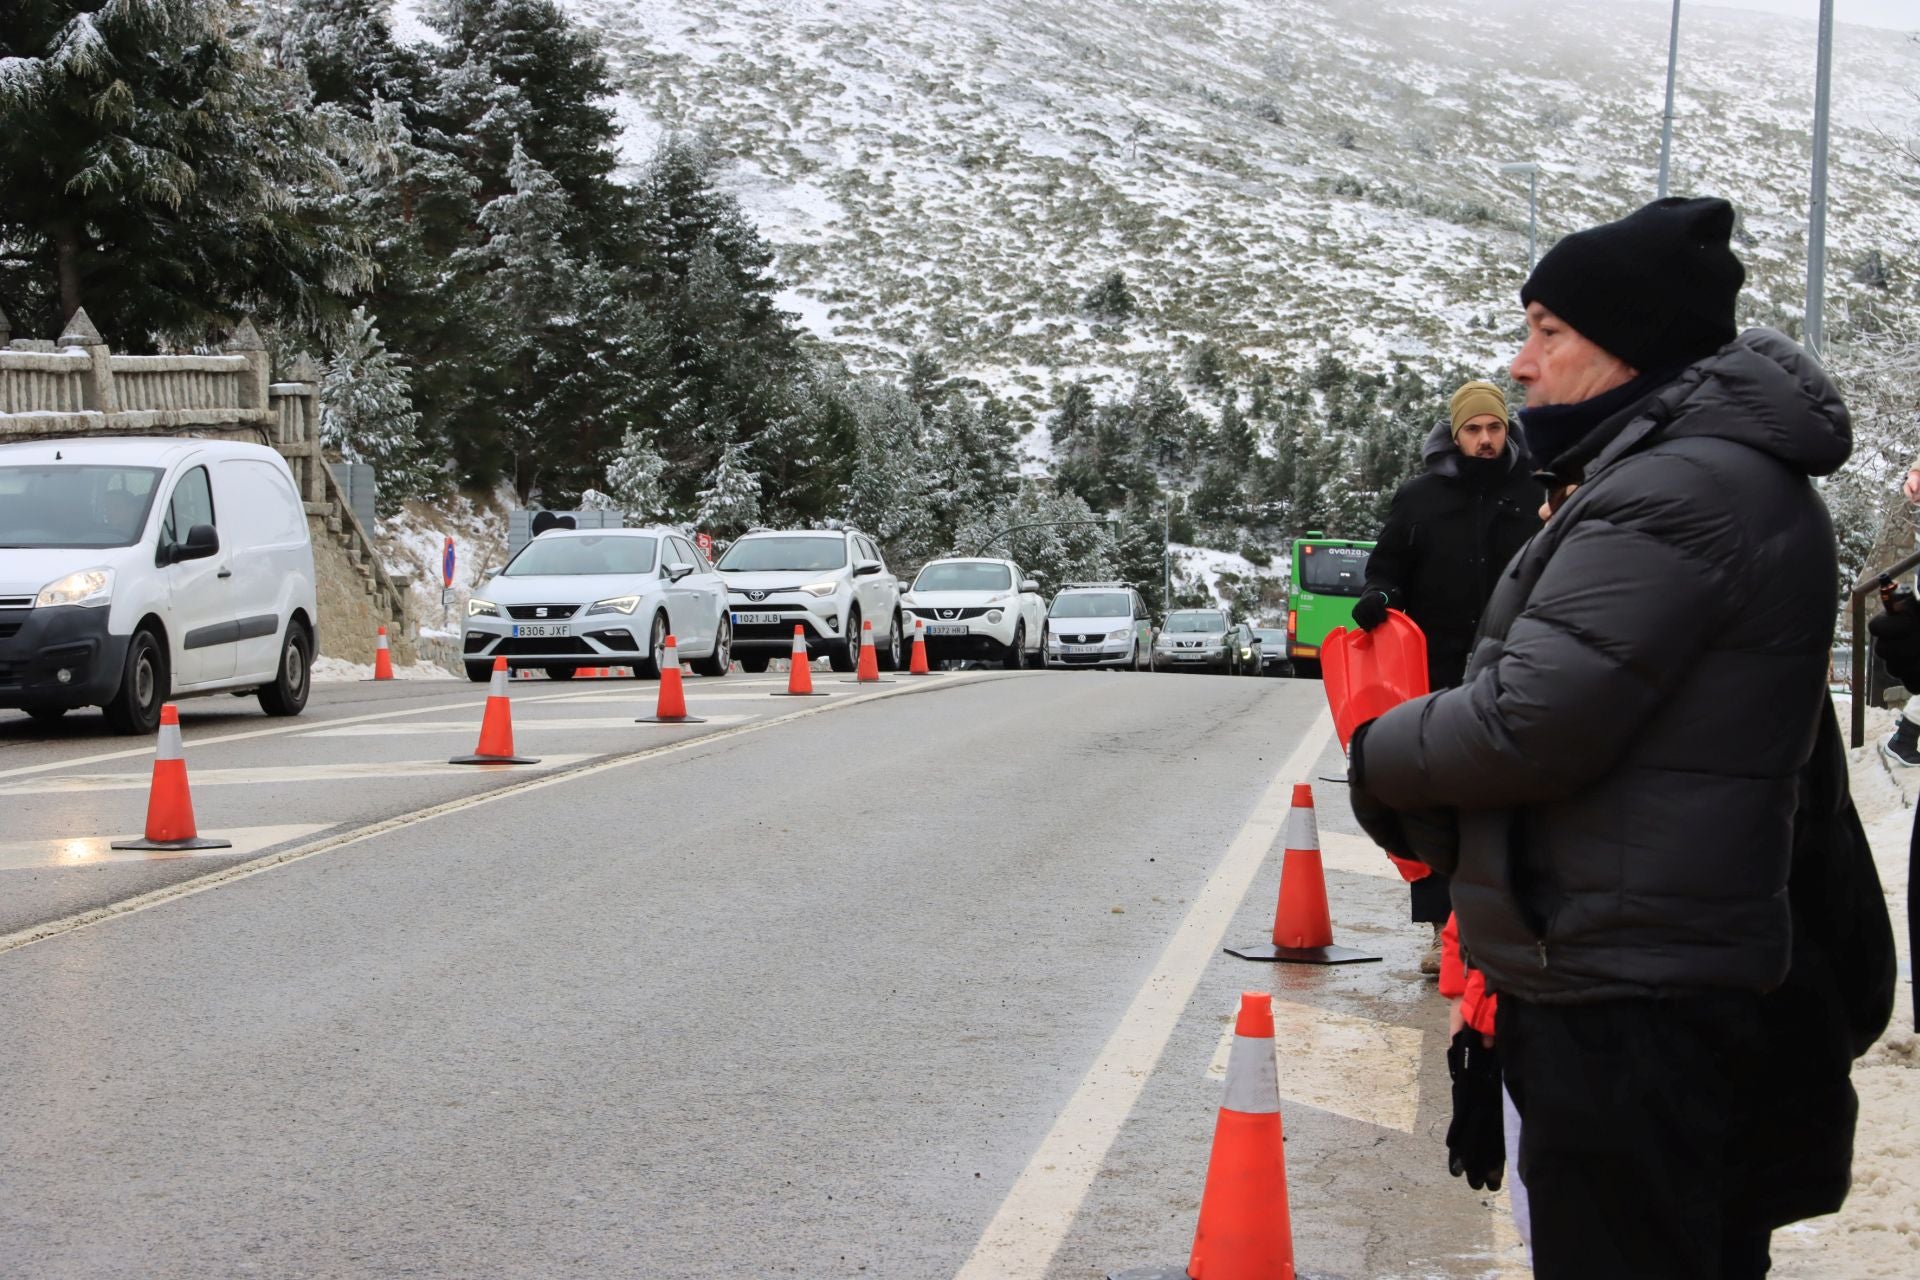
[(675, 572), (866, 568), (203, 540)]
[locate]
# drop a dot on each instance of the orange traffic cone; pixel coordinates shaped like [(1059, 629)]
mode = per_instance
[(1245, 1231), (799, 673), (1302, 927), (169, 804), (496, 727), (383, 659), (673, 694), (918, 666), (868, 670)]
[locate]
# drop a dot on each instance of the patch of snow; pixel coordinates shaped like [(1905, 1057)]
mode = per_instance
[(340, 671)]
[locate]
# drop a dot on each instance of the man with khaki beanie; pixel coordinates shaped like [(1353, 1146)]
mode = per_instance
[(1449, 533)]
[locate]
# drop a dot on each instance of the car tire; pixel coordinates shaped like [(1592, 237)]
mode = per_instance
[(648, 668), (479, 672), (847, 656), (145, 685), (893, 657), (46, 715), (1017, 651), (562, 673), (293, 681), (720, 661), (755, 663)]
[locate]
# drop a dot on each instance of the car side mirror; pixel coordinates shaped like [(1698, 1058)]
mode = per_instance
[(675, 572), (1030, 586), (866, 568), (203, 540)]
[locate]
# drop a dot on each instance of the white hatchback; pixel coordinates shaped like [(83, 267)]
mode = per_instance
[(980, 609), (138, 570), (577, 598)]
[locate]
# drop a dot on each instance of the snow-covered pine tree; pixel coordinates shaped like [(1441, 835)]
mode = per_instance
[(636, 479), (1111, 300), (729, 503), (367, 413)]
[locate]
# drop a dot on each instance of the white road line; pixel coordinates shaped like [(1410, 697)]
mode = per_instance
[(326, 844), (88, 851), (1360, 1068), (521, 724), (1020, 1241), (78, 783)]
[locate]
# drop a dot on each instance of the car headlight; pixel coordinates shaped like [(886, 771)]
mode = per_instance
[(1121, 634), (618, 604), (994, 615), (91, 587), (478, 608), (819, 589)]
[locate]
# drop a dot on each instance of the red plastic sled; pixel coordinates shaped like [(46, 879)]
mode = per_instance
[(1368, 673)]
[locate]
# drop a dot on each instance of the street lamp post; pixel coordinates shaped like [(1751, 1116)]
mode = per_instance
[(1532, 171), (1817, 205), (1666, 119)]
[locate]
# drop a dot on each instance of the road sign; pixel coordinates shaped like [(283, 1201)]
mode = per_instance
[(446, 596), (706, 544), (446, 564)]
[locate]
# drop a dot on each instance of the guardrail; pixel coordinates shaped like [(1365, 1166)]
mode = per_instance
[(1857, 607)]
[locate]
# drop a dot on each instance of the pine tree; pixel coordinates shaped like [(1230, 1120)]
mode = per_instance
[(167, 192), (367, 413), (636, 479), (1111, 300), (729, 505)]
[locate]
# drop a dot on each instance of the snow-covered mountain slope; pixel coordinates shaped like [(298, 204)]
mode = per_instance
[(1280, 176)]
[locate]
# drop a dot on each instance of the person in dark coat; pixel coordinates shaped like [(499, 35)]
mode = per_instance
[(1624, 758), (1449, 533)]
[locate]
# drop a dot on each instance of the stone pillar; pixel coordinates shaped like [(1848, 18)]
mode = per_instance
[(97, 391), (246, 342)]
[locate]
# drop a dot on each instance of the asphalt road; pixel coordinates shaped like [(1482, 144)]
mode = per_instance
[(921, 981)]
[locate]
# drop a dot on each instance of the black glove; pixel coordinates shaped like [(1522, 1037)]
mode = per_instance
[(1477, 1138), (1431, 835), (1370, 610)]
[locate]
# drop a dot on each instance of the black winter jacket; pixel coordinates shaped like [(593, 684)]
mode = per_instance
[(1641, 697), (1447, 537)]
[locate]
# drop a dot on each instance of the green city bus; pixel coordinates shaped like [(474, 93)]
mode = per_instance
[(1328, 576)]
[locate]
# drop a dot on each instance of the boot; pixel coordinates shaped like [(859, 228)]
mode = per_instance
[(1430, 958), (1903, 748)]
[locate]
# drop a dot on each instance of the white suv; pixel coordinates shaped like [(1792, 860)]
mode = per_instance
[(975, 608), (830, 582)]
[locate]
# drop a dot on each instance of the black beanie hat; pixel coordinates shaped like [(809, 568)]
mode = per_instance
[(1656, 288)]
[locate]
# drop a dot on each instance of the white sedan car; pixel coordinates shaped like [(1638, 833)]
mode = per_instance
[(601, 597), (973, 608)]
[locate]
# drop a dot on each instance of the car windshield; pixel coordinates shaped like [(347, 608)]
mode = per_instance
[(1271, 633), (1196, 622), (568, 557), (785, 555), (69, 505), (1092, 604), (1334, 571), (964, 575)]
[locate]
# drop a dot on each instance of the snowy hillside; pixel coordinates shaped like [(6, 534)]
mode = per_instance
[(1281, 178)]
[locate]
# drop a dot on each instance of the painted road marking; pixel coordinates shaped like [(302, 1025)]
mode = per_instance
[(1356, 1067), (91, 851), (69, 784), (542, 779), (521, 724), (1361, 856), (1020, 1241)]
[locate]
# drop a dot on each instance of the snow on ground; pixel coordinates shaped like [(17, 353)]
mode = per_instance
[(411, 543), (1877, 1232), (340, 671)]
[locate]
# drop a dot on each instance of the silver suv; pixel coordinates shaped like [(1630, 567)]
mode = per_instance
[(1196, 640), (830, 582)]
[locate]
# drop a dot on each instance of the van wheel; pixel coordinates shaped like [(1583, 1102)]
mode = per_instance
[(287, 695), (145, 685)]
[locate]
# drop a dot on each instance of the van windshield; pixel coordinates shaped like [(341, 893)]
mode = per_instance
[(71, 505), (620, 553), (1102, 604)]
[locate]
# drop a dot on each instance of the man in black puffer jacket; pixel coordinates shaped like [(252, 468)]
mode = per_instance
[(1625, 751)]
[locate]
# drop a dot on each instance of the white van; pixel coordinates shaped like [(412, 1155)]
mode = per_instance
[(134, 571)]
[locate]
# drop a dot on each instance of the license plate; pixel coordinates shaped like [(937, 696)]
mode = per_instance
[(539, 630), (947, 629), (756, 619), (1079, 648), (1190, 655)]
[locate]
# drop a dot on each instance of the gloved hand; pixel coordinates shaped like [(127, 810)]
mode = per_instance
[(1476, 1140), (1431, 835), (1370, 610)]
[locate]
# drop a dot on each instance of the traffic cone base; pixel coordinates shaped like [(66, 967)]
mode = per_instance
[(1302, 926), (170, 827), (496, 726)]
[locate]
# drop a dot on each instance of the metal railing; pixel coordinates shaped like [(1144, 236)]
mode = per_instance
[(1857, 610)]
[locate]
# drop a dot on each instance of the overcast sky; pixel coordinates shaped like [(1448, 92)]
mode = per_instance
[(1900, 15)]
